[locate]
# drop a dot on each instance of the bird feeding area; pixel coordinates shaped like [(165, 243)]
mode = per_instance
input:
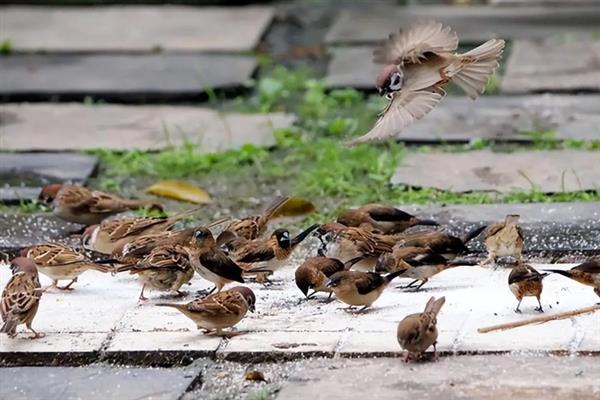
[(102, 319)]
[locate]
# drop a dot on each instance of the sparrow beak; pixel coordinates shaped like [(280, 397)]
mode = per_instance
[(381, 91), (428, 222), (252, 308), (302, 235), (330, 284)]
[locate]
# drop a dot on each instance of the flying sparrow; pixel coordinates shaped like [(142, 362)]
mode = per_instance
[(267, 256), (110, 235), (255, 226), (59, 262), (210, 262), (21, 298), (316, 271), (166, 268), (523, 281), (587, 273), (417, 63), (357, 288), (218, 311), (81, 205), (504, 239), (380, 217), (416, 332)]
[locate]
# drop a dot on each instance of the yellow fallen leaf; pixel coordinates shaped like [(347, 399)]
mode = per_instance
[(295, 206), (180, 190)]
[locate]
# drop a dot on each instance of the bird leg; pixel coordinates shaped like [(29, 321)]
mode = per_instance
[(421, 285), (142, 297), (363, 309), (410, 284), (435, 355), (310, 295), (54, 284), (329, 299), (68, 287), (518, 310), (540, 309), (180, 293), (348, 309), (36, 335)]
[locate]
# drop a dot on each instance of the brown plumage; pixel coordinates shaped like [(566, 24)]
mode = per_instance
[(59, 262), (21, 297), (380, 217), (421, 269), (504, 239), (315, 271), (587, 273), (357, 288), (218, 311), (166, 268), (524, 281), (417, 332), (81, 205), (439, 242), (255, 226), (417, 63)]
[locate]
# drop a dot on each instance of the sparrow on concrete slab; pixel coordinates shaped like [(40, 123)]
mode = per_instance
[(218, 311), (440, 242), (80, 205), (357, 288), (417, 63), (525, 281), (314, 273), (112, 234), (417, 332), (587, 273), (166, 268), (21, 297), (255, 226), (59, 262), (381, 217), (504, 239)]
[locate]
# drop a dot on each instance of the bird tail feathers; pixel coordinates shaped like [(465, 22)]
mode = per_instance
[(473, 69)]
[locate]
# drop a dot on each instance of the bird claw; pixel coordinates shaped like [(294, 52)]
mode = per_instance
[(539, 309), (518, 311), (37, 335)]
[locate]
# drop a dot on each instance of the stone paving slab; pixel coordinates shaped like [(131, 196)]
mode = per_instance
[(546, 171), (552, 67), (473, 24), (116, 127), (21, 230), (478, 377), (134, 28), (94, 383), (121, 77)]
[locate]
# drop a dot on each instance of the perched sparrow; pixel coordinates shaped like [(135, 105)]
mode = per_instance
[(357, 288), (418, 62), (218, 311), (271, 254), (21, 297), (254, 227), (314, 273), (416, 332), (504, 239), (110, 235), (439, 242), (382, 218), (209, 261), (587, 273), (166, 268), (390, 262), (346, 243), (422, 268), (523, 281), (81, 205), (59, 262)]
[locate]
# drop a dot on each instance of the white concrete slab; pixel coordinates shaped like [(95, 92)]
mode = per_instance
[(54, 342), (134, 28), (116, 127), (192, 341)]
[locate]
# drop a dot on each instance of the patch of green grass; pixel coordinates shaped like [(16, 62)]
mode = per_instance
[(5, 47), (260, 394), (24, 207)]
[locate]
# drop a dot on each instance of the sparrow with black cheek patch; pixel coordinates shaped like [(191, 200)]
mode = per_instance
[(209, 261), (166, 268), (60, 262), (439, 242), (418, 62), (314, 273), (417, 332), (357, 288), (21, 297), (524, 281), (380, 217), (587, 273), (218, 311), (267, 256), (346, 243), (110, 235), (81, 205), (254, 227), (504, 239)]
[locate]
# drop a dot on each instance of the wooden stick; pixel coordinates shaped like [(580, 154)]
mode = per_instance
[(539, 320)]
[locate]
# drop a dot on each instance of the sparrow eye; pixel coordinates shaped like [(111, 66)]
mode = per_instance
[(396, 81)]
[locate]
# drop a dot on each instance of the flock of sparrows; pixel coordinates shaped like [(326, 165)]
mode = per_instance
[(358, 256), (360, 253)]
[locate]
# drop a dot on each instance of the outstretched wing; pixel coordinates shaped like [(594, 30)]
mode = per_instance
[(405, 108), (412, 44)]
